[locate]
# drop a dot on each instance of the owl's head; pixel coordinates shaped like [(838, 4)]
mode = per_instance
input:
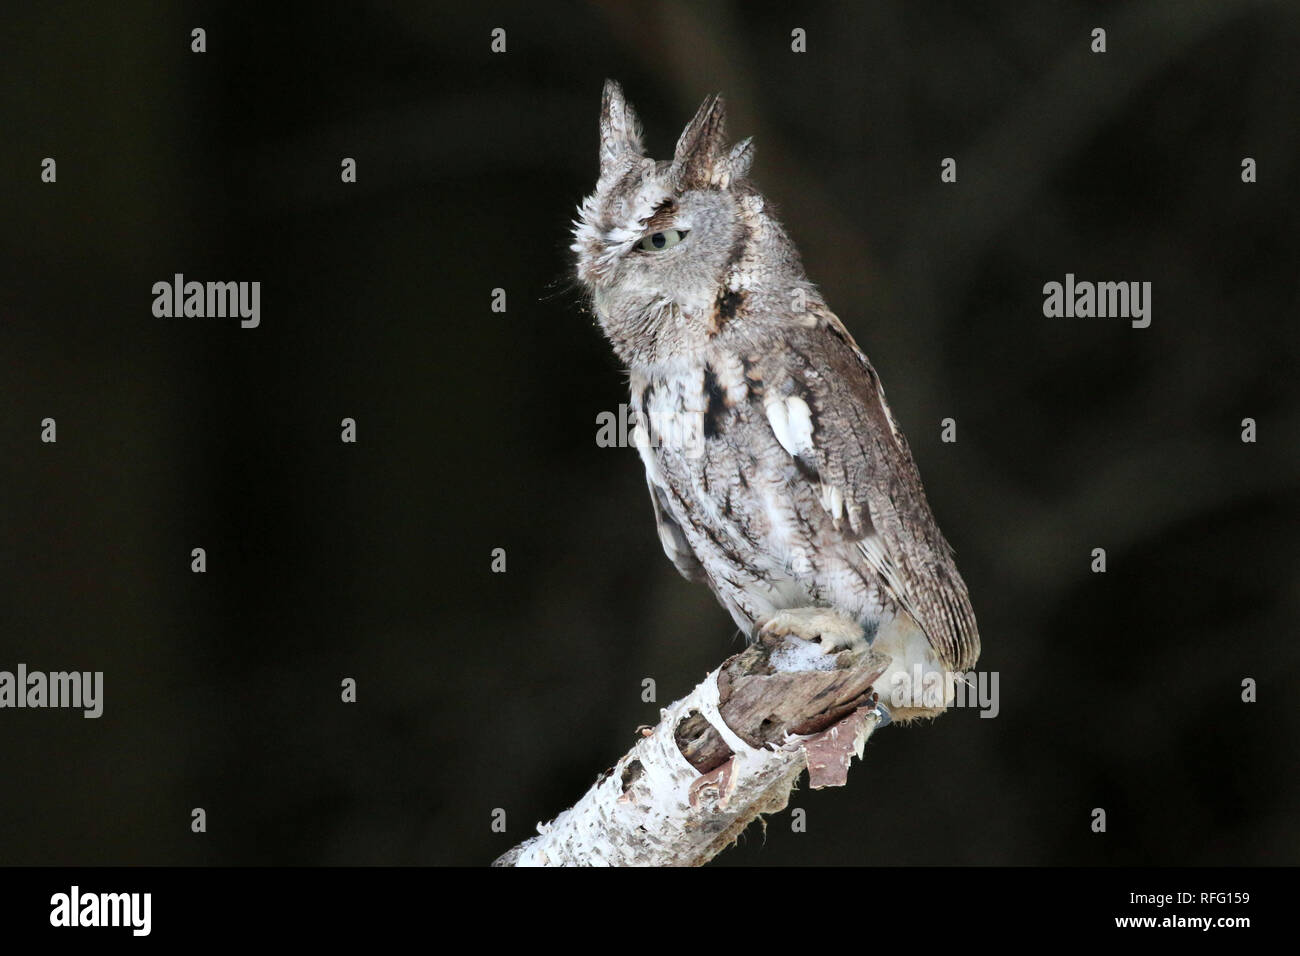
[(671, 248)]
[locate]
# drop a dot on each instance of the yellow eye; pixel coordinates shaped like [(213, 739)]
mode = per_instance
[(659, 241)]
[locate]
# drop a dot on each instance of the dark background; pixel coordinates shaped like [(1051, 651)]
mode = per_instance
[(477, 429)]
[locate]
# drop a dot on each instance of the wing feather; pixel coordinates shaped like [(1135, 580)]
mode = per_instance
[(672, 537), (869, 482)]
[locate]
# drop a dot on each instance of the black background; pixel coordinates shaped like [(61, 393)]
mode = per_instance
[(477, 430)]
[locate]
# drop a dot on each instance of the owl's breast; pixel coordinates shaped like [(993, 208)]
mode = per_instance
[(754, 521)]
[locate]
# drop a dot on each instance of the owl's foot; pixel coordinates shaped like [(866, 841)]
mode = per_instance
[(825, 626)]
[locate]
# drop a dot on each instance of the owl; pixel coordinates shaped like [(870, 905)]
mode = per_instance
[(778, 475)]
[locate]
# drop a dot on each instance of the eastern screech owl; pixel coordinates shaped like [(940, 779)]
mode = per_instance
[(777, 472)]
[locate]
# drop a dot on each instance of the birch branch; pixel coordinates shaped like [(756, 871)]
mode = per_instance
[(725, 753)]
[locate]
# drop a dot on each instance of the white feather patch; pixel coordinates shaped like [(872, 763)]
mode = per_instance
[(791, 421), (833, 501), (779, 419), (801, 426)]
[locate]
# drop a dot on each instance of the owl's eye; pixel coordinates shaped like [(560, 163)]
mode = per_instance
[(658, 241)]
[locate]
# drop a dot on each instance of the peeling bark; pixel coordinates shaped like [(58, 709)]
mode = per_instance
[(726, 753)]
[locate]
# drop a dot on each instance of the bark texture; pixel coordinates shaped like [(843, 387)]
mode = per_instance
[(724, 754)]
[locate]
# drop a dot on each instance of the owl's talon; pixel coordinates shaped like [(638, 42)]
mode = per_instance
[(829, 629), (886, 718)]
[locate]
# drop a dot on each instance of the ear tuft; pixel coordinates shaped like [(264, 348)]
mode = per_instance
[(741, 158), (699, 150), (620, 131)]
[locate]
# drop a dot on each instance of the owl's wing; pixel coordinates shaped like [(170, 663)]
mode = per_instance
[(672, 537), (830, 413)]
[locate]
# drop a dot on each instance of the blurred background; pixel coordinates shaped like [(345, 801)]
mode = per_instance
[(476, 430)]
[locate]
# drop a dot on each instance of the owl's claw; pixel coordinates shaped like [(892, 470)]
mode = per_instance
[(826, 627), (886, 718)]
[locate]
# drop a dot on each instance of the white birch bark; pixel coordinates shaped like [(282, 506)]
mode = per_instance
[(655, 808)]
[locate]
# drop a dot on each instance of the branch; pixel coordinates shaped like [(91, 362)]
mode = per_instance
[(727, 752)]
